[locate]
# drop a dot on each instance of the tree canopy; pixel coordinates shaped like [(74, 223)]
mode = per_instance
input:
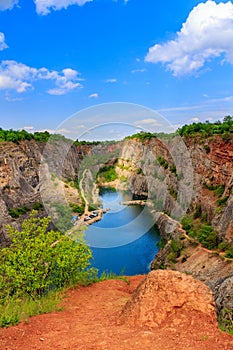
[(38, 261), (208, 129), (22, 135)]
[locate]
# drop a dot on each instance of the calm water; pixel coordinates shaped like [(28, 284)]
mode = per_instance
[(125, 240)]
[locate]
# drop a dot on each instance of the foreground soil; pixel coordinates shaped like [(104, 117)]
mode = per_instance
[(90, 321)]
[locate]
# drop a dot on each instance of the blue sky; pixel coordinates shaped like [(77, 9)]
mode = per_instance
[(61, 56)]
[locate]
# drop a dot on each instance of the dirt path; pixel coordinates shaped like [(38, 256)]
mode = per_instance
[(89, 322), (83, 192)]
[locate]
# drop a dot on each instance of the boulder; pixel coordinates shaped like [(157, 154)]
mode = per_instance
[(168, 297)]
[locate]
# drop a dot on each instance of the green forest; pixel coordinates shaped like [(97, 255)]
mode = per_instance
[(205, 129), (208, 129)]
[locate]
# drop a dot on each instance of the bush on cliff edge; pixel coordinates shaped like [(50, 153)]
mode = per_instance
[(39, 262)]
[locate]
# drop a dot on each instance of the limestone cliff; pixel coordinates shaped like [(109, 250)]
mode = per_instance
[(153, 169), (178, 177), (19, 176)]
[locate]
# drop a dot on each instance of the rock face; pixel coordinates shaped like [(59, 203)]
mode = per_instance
[(19, 176), (178, 176), (172, 297), (151, 168), (224, 299), (212, 198)]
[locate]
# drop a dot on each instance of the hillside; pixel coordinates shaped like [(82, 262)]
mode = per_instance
[(112, 315)]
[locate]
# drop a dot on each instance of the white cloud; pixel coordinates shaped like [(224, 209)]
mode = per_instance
[(3, 45), (138, 70), (95, 95), (112, 80), (43, 7), (206, 34), (28, 128), (149, 122), (194, 120), (7, 4), (20, 77)]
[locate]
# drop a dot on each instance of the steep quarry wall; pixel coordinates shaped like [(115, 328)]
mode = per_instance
[(213, 167), (160, 170), (212, 197), (19, 175)]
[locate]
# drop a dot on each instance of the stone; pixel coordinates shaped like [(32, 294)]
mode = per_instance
[(169, 297)]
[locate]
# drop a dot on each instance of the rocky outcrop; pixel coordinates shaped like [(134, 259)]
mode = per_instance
[(170, 298), (224, 299)]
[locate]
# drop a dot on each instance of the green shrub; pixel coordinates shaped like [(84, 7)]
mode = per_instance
[(107, 174), (187, 223), (222, 201), (123, 178), (162, 161), (77, 208), (37, 206), (172, 257), (176, 247), (207, 236), (173, 192), (223, 245), (161, 243), (92, 207), (16, 213), (220, 190), (38, 261), (140, 171), (172, 168), (207, 148), (202, 232), (198, 212), (229, 253), (225, 320)]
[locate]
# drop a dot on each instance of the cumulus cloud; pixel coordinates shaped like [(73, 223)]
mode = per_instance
[(3, 45), (7, 4), (20, 77), (206, 34), (43, 7), (95, 95)]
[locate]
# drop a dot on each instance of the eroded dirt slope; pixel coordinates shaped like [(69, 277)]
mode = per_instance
[(92, 320)]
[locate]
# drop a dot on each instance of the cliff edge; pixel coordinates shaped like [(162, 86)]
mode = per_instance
[(169, 311)]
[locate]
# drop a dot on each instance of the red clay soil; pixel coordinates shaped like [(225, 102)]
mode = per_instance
[(90, 321)]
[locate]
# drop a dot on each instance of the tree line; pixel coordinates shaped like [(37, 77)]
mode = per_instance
[(22, 135), (208, 129)]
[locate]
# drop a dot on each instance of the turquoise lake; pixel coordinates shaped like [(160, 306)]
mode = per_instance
[(125, 240)]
